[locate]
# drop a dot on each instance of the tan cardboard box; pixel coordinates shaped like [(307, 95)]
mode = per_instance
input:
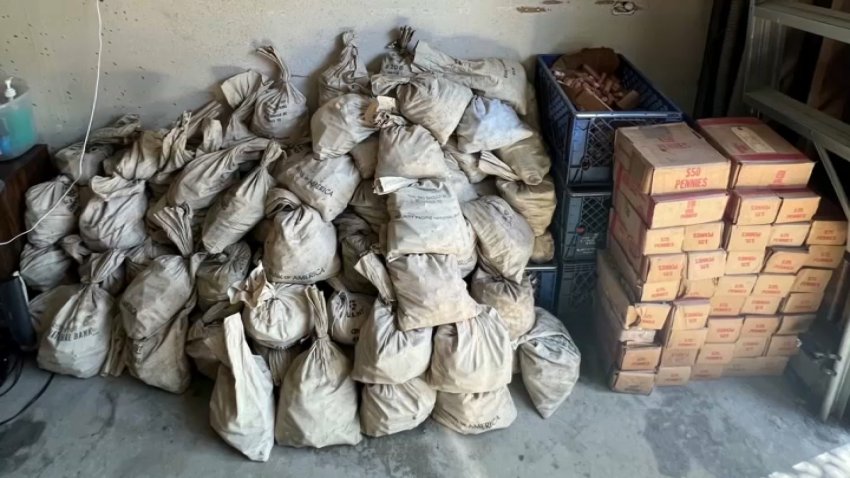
[(724, 330), (811, 280), (829, 227), (669, 158), (747, 238), (705, 265), (760, 325), (690, 313), (641, 291), (783, 345), (742, 367), (744, 262), (798, 205), (629, 313), (785, 260), (683, 339), (761, 304), (802, 303), (778, 285), (795, 324), (727, 305), (670, 210), (659, 267), (716, 353), (748, 208), (640, 383), (630, 230), (771, 365), (751, 346), (790, 235), (736, 285), (827, 257), (697, 289), (672, 376), (678, 357), (631, 357), (703, 237), (706, 371), (610, 325)]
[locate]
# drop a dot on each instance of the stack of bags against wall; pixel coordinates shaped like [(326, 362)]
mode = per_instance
[(664, 255)]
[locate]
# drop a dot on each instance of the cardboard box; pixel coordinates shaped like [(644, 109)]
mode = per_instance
[(669, 158), (753, 346), (716, 353), (795, 324), (678, 357), (802, 303), (683, 339), (620, 301), (697, 289), (690, 313), (771, 365), (629, 229), (723, 330), (759, 155), (829, 227), (670, 210), (727, 305), (658, 267), (744, 262), (789, 235), (747, 208), (755, 366), (640, 383), (760, 325), (761, 304), (610, 325), (811, 280), (827, 257), (632, 357), (746, 238), (703, 237), (705, 265), (783, 346), (798, 205), (672, 376), (706, 371), (640, 291), (785, 260), (778, 285), (736, 285)]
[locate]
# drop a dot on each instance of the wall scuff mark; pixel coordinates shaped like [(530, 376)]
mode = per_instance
[(532, 9)]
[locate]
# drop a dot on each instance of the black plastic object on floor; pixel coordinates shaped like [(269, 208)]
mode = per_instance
[(14, 314)]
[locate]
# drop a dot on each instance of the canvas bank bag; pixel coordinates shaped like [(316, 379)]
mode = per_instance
[(505, 240), (326, 185), (535, 203), (467, 162), (338, 125), (140, 256), (474, 413), (348, 75), (489, 124), (388, 409), (370, 206), (219, 271), (544, 248), (528, 158), (281, 110), (61, 221), (513, 301), (406, 151), (365, 155), (348, 311), (113, 218), (355, 239), (44, 268), (203, 332)]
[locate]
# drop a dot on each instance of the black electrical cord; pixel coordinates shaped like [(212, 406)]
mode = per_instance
[(30, 402), (17, 368)]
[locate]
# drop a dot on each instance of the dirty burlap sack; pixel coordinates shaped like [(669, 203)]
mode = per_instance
[(406, 151), (300, 247), (140, 256), (113, 218), (425, 218), (219, 271), (160, 360), (240, 208), (398, 60), (175, 152), (513, 301), (355, 239), (326, 185), (78, 337), (61, 221), (348, 311), (281, 110), (318, 399), (458, 181), (535, 203), (544, 248), (44, 268), (242, 401), (338, 125), (388, 409), (489, 124), (69, 159), (467, 162), (204, 330), (493, 77), (550, 362), (142, 160), (474, 413), (430, 291), (468, 259), (347, 75), (365, 155), (528, 158), (291, 154), (471, 356), (370, 206), (241, 92), (505, 240)]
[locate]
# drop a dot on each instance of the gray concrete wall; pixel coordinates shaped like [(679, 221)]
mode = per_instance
[(161, 57)]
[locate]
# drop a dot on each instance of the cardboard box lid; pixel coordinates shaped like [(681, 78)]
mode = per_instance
[(783, 345), (747, 138), (706, 371), (690, 313), (753, 207), (793, 324), (778, 285), (716, 353), (760, 325), (790, 234), (809, 279), (798, 205), (736, 285), (678, 357), (727, 305), (683, 339), (632, 382), (747, 238), (697, 289), (778, 173), (671, 376), (744, 262), (785, 260), (802, 303), (751, 346), (670, 158), (761, 304), (703, 237), (706, 265), (723, 330), (826, 257)]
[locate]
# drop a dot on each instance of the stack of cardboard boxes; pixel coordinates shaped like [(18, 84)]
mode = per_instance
[(700, 282)]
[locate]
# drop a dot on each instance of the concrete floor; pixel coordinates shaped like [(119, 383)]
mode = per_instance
[(120, 427)]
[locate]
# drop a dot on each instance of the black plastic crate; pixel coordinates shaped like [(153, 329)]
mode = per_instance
[(576, 287), (582, 142), (544, 281), (581, 221)]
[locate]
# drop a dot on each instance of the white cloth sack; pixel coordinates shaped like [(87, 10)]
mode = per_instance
[(528, 158), (300, 247), (326, 185), (219, 271), (370, 206), (242, 401), (69, 159), (139, 257), (292, 153), (513, 301), (407, 151), (203, 332), (279, 360), (468, 259), (544, 248), (348, 311), (347, 75), (550, 363), (388, 409), (467, 162), (505, 240), (399, 58), (475, 413), (430, 291), (365, 155), (487, 187), (492, 77), (489, 124), (458, 181), (472, 356), (143, 159), (338, 125), (113, 283), (113, 218), (61, 221), (356, 239), (281, 110), (535, 203), (495, 167), (241, 92), (240, 208), (318, 399), (44, 268)]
